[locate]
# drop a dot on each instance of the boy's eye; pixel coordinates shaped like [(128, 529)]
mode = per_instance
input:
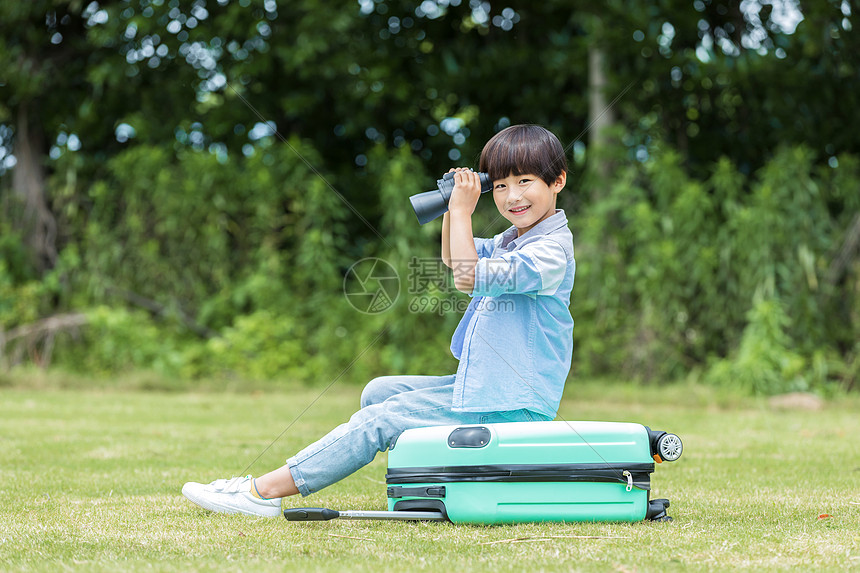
[(523, 181), (500, 186)]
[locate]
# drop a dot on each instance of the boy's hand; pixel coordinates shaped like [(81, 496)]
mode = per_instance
[(467, 191)]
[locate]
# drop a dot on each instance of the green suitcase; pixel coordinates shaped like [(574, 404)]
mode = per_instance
[(520, 472), (530, 471)]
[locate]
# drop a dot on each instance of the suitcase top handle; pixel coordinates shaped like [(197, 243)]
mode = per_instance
[(471, 437)]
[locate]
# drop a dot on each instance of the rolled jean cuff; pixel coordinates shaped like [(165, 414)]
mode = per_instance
[(298, 478)]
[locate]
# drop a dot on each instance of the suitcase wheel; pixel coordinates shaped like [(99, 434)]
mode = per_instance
[(657, 510), (670, 447)]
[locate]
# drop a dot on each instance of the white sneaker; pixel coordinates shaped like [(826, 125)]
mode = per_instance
[(231, 496)]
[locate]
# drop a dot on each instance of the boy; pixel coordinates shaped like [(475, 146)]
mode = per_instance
[(514, 342)]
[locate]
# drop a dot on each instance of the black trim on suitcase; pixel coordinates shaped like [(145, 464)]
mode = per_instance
[(396, 491), (611, 473), (421, 505)]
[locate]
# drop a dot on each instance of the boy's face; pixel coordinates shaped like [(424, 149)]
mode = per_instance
[(526, 200)]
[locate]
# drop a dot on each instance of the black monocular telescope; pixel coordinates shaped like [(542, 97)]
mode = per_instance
[(432, 204)]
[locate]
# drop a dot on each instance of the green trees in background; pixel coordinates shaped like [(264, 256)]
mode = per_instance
[(184, 186), (734, 274)]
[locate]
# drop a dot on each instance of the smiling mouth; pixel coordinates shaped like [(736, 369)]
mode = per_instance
[(519, 210)]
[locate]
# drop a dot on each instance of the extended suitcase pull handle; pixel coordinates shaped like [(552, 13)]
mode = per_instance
[(322, 514), (310, 514)]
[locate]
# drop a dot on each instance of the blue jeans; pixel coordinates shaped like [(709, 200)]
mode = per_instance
[(389, 405)]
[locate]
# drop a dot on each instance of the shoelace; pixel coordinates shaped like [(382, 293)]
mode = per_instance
[(230, 485)]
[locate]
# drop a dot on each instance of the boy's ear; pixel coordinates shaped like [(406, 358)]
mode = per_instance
[(559, 182)]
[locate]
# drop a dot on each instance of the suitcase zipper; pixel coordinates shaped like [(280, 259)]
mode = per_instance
[(630, 475)]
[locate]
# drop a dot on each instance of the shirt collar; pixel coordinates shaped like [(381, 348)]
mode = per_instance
[(545, 227)]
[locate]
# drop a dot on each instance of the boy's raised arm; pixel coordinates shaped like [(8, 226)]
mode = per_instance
[(463, 255), (446, 240)]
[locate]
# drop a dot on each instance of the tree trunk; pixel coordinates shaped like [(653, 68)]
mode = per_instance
[(37, 223), (600, 113)]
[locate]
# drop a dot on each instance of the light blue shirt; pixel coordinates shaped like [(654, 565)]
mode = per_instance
[(515, 341)]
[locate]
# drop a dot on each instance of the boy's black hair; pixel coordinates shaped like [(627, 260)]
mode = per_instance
[(521, 149)]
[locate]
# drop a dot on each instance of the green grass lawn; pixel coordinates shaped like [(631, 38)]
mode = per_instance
[(90, 480)]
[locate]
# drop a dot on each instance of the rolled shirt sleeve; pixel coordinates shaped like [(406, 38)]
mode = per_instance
[(484, 247), (537, 268)]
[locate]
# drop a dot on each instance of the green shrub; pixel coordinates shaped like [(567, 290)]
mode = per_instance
[(260, 346), (764, 362), (117, 340)]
